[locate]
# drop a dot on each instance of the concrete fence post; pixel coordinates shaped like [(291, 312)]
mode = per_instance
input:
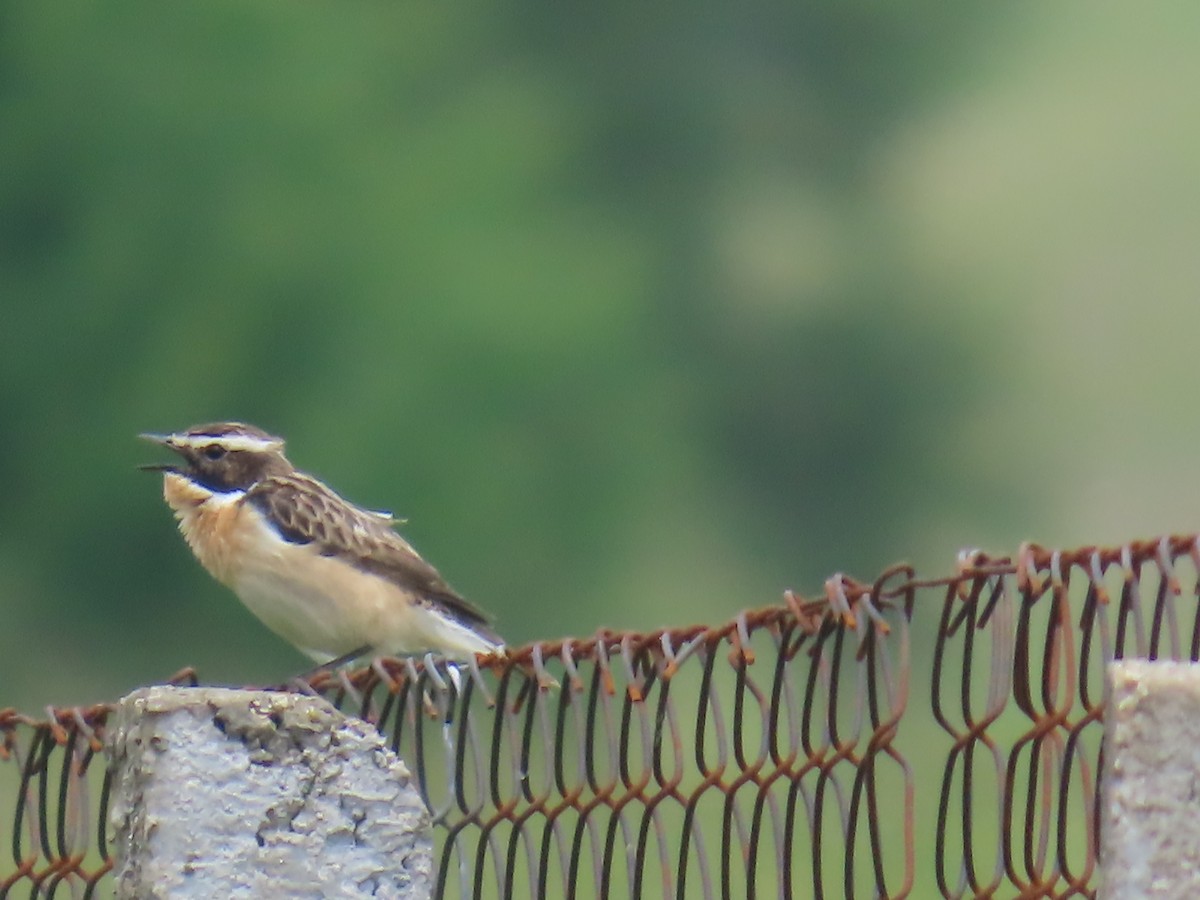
[(257, 794), (1150, 828)]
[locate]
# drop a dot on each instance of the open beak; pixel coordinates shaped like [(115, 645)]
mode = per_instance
[(163, 440)]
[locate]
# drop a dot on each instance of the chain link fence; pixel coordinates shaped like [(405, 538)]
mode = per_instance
[(906, 737)]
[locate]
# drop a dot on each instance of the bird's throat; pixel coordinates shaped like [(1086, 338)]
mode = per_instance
[(208, 522)]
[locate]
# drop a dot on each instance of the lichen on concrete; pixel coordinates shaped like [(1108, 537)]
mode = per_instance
[(1150, 831), (260, 794)]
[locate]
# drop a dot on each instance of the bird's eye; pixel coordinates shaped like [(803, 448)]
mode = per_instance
[(214, 452)]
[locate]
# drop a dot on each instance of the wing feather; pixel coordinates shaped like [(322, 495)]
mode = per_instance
[(305, 511)]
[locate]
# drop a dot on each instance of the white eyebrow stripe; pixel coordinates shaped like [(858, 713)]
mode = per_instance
[(228, 441)]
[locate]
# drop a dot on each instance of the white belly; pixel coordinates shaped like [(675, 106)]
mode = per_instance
[(326, 607)]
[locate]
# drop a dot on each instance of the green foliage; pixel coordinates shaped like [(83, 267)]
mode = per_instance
[(618, 307)]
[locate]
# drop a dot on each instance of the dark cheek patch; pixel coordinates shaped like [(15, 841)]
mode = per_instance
[(232, 473), (210, 480)]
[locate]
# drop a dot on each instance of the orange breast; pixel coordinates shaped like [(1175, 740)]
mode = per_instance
[(211, 524)]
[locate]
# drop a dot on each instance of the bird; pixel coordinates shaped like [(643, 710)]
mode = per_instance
[(335, 580)]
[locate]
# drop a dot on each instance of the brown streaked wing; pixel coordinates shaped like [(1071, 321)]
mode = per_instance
[(304, 511)]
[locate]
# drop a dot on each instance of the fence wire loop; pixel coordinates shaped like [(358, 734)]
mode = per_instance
[(776, 754)]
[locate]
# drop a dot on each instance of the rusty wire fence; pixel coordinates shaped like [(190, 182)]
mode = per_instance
[(907, 737)]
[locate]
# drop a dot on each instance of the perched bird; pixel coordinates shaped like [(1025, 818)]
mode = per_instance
[(333, 579)]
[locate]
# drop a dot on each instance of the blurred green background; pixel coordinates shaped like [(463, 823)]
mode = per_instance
[(638, 316)]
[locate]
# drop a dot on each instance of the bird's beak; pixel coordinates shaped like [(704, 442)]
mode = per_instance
[(163, 440)]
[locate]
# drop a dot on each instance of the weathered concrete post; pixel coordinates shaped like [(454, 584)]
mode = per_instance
[(228, 793), (1150, 826)]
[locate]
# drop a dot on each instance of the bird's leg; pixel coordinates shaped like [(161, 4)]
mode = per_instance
[(298, 685), (303, 681), (339, 661)]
